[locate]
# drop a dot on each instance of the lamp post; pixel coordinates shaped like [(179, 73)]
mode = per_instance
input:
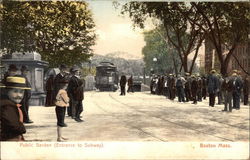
[(155, 64)]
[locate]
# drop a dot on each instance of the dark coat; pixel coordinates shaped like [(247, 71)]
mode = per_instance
[(130, 81), (76, 88), (237, 85), (194, 87), (123, 81), (49, 91), (11, 127), (246, 87), (57, 80), (212, 84), (227, 85)]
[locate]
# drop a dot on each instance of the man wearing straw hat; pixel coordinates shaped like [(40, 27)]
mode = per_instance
[(12, 128)]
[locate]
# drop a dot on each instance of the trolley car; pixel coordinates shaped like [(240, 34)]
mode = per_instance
[(106, 77)]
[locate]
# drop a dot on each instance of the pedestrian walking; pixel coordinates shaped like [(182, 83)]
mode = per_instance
[(27, 95), (76, 94), (212, 87), (123, 82), (130, 84), (246, 86), (12, 128), (227, 90)]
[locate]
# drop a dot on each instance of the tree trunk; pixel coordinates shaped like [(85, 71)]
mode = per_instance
[(185, 64)]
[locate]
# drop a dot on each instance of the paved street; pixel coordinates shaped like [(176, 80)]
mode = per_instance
[(141, 116)]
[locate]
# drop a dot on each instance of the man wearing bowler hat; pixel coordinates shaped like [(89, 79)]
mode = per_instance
[(27, 95), (76, 94)]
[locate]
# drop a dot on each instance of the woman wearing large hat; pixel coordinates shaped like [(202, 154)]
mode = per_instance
[(12, 126)]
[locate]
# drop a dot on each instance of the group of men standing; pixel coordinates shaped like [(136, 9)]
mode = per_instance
[(195, 88), (75, 90)]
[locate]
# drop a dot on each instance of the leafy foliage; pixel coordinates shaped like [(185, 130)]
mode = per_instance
[(61, 31)]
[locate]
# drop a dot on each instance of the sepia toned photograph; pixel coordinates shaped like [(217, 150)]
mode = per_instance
[(115, 79)]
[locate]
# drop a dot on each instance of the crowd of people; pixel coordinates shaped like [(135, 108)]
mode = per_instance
[(229, 90), (65, 90)]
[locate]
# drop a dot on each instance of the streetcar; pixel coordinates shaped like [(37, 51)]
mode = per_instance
[(106, 77)]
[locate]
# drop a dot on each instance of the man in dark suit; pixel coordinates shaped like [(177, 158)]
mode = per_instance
[(76, 94), (237, 86), (212, 87), (123, 82), (246, 84), (194, 89), (27, 95)]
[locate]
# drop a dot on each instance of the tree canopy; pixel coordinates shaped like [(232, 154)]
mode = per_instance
[(61, 31), (156, 47), (225, 24)]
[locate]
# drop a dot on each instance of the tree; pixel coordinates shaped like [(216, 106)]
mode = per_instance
[(225, 24), (61, 31), (185, 37), (156, 47)]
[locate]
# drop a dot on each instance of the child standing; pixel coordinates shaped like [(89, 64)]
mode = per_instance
[(62, 101), (12, 128)]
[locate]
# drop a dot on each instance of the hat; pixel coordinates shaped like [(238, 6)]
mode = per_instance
[(24, 68), (193, 76), (12, 67), (75, 69), (62, 66), (213, 71), (15, 82), (234, 74), (187, 74)]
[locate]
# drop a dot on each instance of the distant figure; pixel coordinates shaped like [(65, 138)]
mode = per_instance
[(12, 71), (123, 82), (180, 88), (194, 89), (27, 94), (49, 91), (204, 87), (12, 128), (130, 84), (212, 87), (246, 85), (237, 86), (227, 90), (187, 88)]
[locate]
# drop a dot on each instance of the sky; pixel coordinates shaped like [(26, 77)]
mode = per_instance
[(114, 31)]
